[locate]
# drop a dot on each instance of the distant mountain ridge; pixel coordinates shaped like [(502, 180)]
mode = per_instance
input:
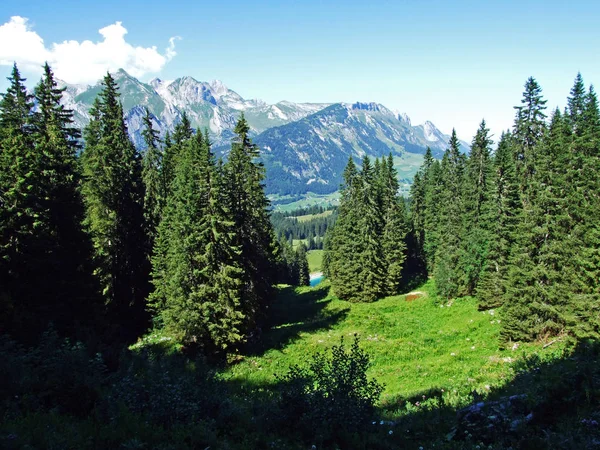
[(305, 146), (310, 154), (211, 106)]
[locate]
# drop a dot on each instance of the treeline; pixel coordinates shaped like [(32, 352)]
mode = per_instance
[(365, 251), (288, 227), (104, 240), (517, 228)]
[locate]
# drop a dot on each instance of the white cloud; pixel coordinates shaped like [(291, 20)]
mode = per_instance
[(80, 62)]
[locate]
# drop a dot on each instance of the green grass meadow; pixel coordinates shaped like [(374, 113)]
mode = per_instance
[(417, 348)]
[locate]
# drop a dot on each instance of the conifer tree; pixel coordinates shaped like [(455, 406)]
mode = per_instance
[(113, 194), (155, 188), (448, 254), (505, 207), (248, 206), (372, 275), (343, 244), (302, 264), (477, 211), (394, 228), (432, 226), (49, 274), (196, 269), (529, 128), (535, 297), (19, 209)]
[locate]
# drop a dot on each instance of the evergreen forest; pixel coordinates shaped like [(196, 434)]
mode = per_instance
[(143, 291)]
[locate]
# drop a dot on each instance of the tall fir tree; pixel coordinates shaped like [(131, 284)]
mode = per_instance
[(249, 209), (155, 188), (394, 229), (113, 193), (478, 221), (536, 300), (530, 125), (449, 251), (49, 271), (505, 207)]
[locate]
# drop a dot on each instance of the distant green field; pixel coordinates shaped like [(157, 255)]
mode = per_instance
[(308, 217), (315, 259), (307, 200)]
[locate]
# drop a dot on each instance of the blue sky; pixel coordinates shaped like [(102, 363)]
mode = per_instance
[(453, 63)]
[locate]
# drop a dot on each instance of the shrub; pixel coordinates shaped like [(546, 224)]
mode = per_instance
[(333, 397)]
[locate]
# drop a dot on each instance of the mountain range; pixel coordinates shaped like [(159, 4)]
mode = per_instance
[(305, 146)]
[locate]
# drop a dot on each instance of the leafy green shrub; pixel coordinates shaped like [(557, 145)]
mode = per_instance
[(56, 375), (333, 397), (166, 389)]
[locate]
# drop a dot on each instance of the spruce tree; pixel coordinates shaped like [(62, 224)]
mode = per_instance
[(113, 194), (372, 275), (48, 255), (155, 188), (540, 262), (478, 221), (449, 251), (248, 206), (196, 270), (394, 228), (343, 243), (505, 207), (530, 125), (302, 264)]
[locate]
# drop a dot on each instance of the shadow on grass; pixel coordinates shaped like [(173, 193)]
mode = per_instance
[(161, 399), (295, 311)]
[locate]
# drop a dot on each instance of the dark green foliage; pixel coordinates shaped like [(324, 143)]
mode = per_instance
[(478, 211), (302, 264), (113, 192), (450, 248), (529, 128), (332, 397), (365, 251), (155, 186), (505, 207), (247, 205), (197, 272), (44, 254)]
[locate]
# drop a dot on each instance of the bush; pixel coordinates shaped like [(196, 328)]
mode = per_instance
[(332, 398)]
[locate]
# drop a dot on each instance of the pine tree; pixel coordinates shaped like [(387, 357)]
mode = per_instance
[(155, 188), (505, 207), (585, 210), (529, 128), (196, 270), (23, 218), (394, 228), (540, 263), (343, 243), (448, 254), (48, 253), (302, 264), (477, 218), (248, 206), (113, 195), (372, 275), (432, 225)]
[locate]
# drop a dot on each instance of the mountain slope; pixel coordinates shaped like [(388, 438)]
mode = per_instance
[(311, 153), (211, 106)]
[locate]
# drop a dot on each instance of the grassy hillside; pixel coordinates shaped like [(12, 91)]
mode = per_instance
[(416, 347)]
